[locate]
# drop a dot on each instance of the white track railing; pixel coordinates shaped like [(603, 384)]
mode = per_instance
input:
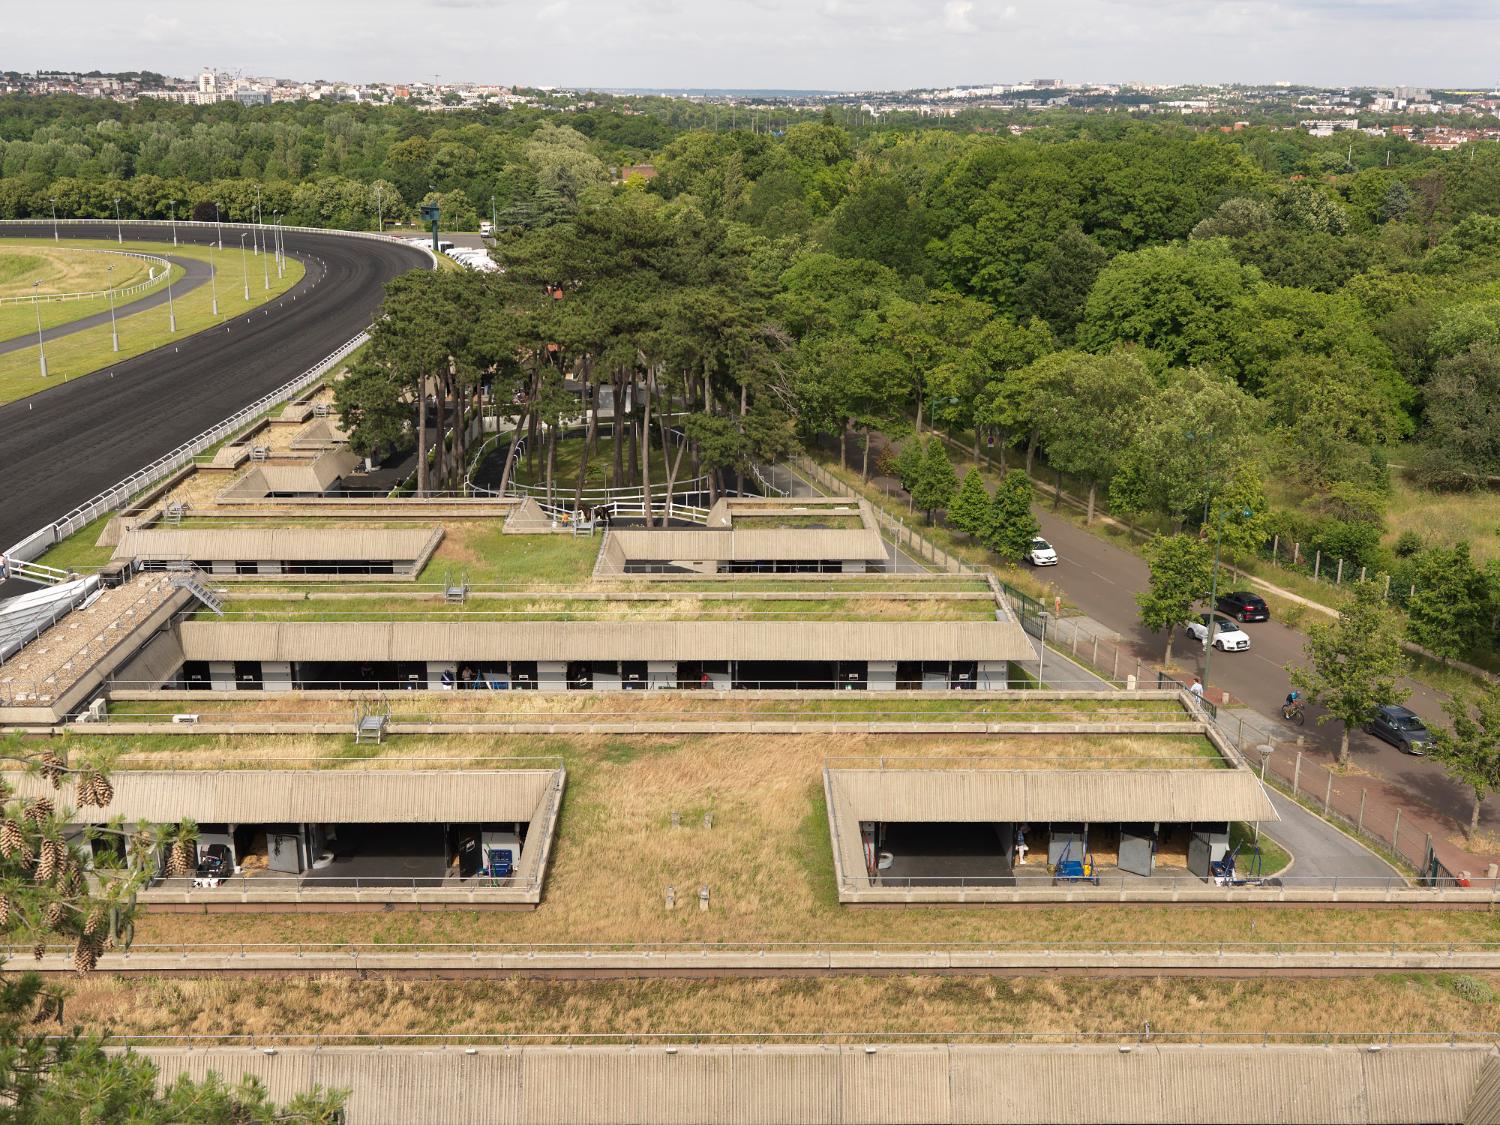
[(119, 494), (127, 291)]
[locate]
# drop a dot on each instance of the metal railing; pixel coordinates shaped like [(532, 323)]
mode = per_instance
[(275, 882), (126, 291), (122, 492)]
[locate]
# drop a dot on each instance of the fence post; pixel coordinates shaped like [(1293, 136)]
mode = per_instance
[(1296, 553), (1328, 793), (1297, 772), (1095, 660), (1275, 543), (1387, 594), (1317, 562), (1363, 793), (1396, 832), (1338, 578), (1114, 673), (1362, 573)]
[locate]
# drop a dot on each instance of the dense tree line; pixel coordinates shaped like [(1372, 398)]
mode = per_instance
[(1189, 324)]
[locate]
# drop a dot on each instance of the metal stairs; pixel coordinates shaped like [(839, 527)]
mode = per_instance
[(372, 717), (191, 580)]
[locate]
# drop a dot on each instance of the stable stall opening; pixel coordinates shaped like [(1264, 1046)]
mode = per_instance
[(941, 854)]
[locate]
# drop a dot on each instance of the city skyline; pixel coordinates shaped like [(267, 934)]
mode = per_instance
[(782, 45)]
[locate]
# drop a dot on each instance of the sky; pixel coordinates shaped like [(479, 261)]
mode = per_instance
[(773, 44)]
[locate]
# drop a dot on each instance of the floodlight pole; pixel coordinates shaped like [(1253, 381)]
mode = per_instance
[(54, 221), (113, 331), (41, 348), (253, 239), (171, 309), (265, 264), (119, 230), (174, 222), (245, 265), (219, 219), (213, 278)]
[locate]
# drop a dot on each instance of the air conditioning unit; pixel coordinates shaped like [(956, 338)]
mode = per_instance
[(185, 718), (97, 712)]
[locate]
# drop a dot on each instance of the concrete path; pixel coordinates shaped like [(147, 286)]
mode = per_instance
[(195, 274), (1319, 849)]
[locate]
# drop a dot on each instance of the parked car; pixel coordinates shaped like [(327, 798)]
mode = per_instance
[(1401, 728), (1244, 606), (1041, 553), (1228, 637)]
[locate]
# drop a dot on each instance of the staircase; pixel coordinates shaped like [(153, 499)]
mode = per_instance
[(372, 717), (191, 579)]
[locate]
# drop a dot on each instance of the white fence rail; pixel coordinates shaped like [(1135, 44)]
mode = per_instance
[(127, 291), (119, 494)]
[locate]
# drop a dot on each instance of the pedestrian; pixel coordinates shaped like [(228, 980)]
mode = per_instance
[(1197, 688)]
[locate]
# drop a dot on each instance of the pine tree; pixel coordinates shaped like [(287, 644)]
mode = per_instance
[(970, 509), (936, 481), (1011, 526)]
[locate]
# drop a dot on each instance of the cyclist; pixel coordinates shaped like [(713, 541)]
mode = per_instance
[(1292, 705)]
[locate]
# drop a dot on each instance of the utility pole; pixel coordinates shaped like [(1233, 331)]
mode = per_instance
[(41, 348)]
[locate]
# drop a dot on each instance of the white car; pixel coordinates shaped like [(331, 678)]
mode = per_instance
[(1228, 637), (1041, 553)]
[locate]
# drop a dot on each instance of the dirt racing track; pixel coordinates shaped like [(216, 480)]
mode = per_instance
[(63, 446)]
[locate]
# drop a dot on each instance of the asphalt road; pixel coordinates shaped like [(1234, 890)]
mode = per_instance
[(195, 273), (67, 444), (1102, 580)]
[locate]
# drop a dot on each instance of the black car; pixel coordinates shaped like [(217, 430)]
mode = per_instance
[(1243, 606), (1401, 728)]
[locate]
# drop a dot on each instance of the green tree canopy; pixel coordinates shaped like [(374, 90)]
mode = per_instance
[(1181, 568)]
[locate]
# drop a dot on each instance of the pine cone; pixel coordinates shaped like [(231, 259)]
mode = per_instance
[(55, 914), (38, 811), (181, 860), (5, 908), (94, 921), (51, 858), (72, 881), (54, 769), (85, 955), (39, 950), (95, 789), (12, 839)]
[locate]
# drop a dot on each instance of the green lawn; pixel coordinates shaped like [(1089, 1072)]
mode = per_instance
[(486, 554), (601, 465), (91, 350), (80, 551)]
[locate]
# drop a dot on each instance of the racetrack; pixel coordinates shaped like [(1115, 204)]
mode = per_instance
[(63, 446)]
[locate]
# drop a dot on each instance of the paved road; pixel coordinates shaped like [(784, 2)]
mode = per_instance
[(195, 273), (68, 443), (1102, 579)]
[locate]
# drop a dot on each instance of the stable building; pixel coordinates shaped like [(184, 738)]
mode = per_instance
[(755, 537), (382, 835), (238, 552), (586, 655), (961, 831)]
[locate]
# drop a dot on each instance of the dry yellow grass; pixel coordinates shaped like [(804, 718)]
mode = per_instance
[(1442, 519), (838, 1007)]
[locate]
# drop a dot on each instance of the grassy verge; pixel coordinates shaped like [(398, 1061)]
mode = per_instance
[(64, 270), (80, 551), (832, 1009), (90, 350), (487, 555), (686, 608)]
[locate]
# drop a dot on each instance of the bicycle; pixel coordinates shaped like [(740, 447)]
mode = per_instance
[(1292, 712)]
